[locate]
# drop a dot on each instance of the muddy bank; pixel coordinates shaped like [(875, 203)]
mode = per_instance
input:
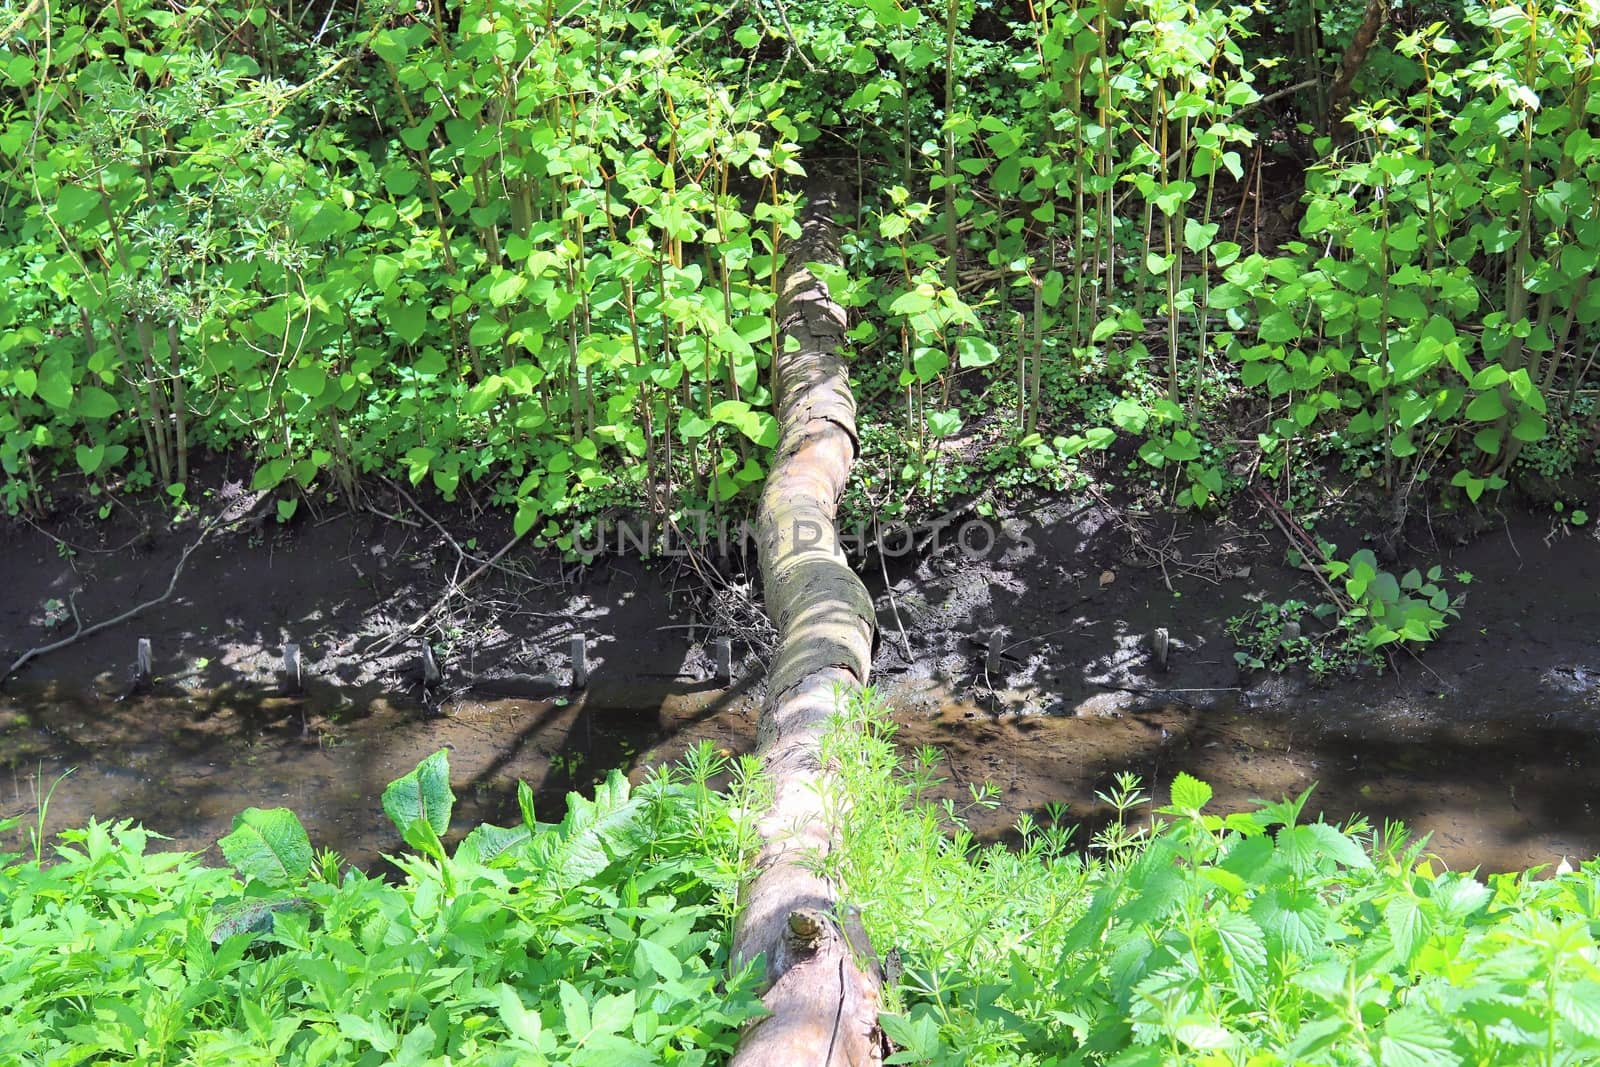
[(1488, 742)]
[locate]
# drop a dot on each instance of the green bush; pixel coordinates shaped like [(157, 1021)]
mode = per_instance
[(505, 250), (601, 940), (1185, 937)]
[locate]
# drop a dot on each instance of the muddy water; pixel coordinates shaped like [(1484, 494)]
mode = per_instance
[(1499, 793)]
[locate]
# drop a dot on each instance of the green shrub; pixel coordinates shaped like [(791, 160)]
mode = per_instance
[(601, 940), (1185, 937)]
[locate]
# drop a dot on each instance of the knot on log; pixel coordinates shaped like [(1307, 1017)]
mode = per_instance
[(806, 930)]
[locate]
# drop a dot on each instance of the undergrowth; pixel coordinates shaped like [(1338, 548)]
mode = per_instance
[(601, 940), (1173, 935), (1183, 936)]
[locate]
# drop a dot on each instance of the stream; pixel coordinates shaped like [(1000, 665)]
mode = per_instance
[(1498, 793)]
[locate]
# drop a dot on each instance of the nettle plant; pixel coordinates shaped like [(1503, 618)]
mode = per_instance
[(598, 940)]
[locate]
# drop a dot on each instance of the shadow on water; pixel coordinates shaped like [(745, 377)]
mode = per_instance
[(184, 763), (1499, 794)]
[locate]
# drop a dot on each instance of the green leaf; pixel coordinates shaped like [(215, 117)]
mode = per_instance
[(1130, 415), (486, 330), (73, 204), (975, 351), (914, 302), (422, 794), (1485, 407), (55, 386), (1278, 328), (268, 846), (89, 457), (1578, 1004), (528, 513), (408, 320), (373, 1031), (574, 1010), (506, 288), (1292, 919), (1473, 485), (385, 269), (660, 960), (918, 1038), (446, 478), (1407, 926), (761, 428), (1245, 947), (1530, 427), (929, 363), (944, 423), (597, 832), (1189, 793), (430, 364), (1413, 1038), (519, 1021), (309, 382), (95, 403), (1197, 236)]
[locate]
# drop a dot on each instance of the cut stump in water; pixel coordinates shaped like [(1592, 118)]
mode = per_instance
[(821, 982)]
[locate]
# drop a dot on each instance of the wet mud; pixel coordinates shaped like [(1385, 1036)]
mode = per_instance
[(1489, 742)]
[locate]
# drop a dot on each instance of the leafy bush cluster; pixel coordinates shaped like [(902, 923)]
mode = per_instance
[(519, 245), (601, 940), (1177, 936), (1186, 937), (528, 250)]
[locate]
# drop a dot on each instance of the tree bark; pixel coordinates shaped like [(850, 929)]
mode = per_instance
[(821, 982), (1349, 66)]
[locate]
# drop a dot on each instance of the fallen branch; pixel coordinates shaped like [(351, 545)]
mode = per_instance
[(172, 584), (455, 589), (1306, 546)]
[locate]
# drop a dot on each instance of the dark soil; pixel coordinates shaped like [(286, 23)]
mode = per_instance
[(1488, 741)]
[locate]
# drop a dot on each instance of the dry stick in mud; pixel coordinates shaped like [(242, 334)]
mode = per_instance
[(456, 588), (821, 984), (83, 631)]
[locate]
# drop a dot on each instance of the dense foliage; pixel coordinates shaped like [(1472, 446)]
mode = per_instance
[(527, 251), (1177, 937), (602, 940)]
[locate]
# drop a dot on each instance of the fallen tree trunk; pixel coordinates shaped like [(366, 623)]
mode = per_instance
[(821, 981)]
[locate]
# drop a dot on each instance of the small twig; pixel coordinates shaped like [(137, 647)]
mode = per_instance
[(1513, 541), (384, 515), (449, 594), (62, 541), (888, 587), (1049, 633), (85, 631)]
